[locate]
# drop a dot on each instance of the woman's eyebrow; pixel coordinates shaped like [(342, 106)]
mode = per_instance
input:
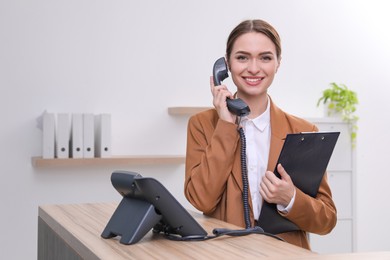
[(248, 53)]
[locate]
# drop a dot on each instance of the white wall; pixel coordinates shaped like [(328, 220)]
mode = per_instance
[(134, 59)]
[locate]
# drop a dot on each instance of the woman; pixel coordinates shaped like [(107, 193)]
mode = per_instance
[(213, 181)]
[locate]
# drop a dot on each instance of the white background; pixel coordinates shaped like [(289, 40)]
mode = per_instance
[(134, 59)]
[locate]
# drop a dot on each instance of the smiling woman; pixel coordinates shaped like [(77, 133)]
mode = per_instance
[(216, 173)]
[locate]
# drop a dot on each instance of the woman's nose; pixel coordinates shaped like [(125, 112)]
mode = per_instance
[(253, 67)]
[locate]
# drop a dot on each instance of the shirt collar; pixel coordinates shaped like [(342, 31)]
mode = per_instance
[(263, 120)]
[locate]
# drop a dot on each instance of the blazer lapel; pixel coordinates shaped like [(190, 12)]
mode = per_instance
[(279, 129)]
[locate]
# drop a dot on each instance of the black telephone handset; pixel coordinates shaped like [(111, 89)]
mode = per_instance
[(220, 72)]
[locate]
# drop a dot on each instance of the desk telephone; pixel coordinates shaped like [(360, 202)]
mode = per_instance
[(220, 72)]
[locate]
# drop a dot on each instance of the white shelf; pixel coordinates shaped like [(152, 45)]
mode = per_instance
[(114, 160)]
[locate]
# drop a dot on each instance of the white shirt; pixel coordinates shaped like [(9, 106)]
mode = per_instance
[(258, 139)]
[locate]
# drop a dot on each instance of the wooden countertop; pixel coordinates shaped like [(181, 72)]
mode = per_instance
[(80, 226)]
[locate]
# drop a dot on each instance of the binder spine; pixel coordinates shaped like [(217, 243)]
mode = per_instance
[(63, 136), (103, 136), (48, 139), (88, 136), (76, 143)]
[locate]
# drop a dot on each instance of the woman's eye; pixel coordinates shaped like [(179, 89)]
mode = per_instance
[(241, 58), (266, 58)]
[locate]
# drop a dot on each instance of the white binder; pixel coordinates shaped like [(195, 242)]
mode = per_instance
[(48, 137), (76, 141), (103, 136), (88, 135), (63, 135)]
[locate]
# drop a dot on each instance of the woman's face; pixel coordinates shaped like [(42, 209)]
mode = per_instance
[(253, 64)]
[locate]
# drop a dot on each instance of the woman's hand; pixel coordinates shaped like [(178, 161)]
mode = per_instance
[(220, 93), (275, 190)]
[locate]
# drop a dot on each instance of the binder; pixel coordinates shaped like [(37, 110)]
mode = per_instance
[(305, 157), (76, 141), (103, 136), (88, 135), (63, 136), (48, 136)]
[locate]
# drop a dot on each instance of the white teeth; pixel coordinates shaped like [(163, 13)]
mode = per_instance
[(252, 80)]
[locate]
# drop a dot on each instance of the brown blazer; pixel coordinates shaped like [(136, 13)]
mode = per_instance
[(213, 182)]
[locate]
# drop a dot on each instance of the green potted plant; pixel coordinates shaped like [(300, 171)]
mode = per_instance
[(340, 100)]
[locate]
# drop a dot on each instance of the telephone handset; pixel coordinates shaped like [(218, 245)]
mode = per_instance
[(220, 72)]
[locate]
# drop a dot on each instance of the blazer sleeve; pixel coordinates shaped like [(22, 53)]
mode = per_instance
[(315, 215), (209, 159)]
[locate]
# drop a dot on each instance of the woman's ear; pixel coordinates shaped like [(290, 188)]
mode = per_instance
[(227, 62), (277, 66)]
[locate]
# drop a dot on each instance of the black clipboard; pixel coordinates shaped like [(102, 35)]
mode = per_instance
[(305, 156)]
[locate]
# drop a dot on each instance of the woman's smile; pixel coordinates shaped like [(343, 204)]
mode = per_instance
[(253, 81)]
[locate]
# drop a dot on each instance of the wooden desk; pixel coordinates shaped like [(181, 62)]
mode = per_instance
[(73, 232)]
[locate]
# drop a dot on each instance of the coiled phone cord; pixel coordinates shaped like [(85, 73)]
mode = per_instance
[(244, 169)]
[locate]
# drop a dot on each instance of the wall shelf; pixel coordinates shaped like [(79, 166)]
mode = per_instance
[(114, 160), (186, 110)]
